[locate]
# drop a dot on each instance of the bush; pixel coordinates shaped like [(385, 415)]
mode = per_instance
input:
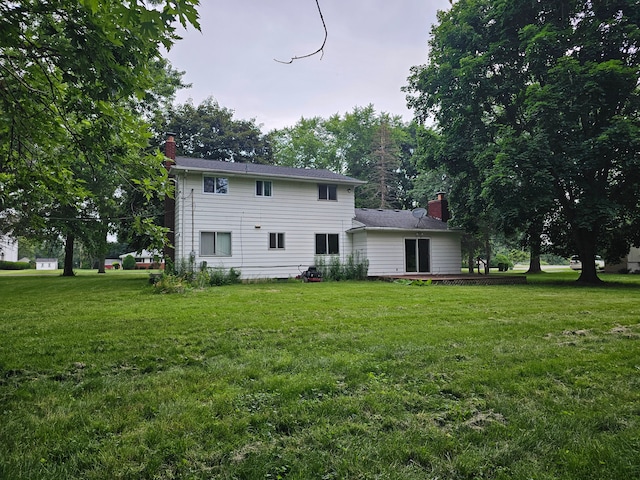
[(183, 275), (169, 284), (501, 259), (5, 265), (355, 268), (219, 277), (128, 263)]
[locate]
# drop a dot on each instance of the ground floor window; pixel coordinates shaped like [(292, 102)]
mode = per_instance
[(327, 244), (276, 240), (417, 255), (215, 244)]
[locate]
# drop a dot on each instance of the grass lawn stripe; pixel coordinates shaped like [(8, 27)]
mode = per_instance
[(99, 378)]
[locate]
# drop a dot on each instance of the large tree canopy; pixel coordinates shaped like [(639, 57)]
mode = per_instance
[(76, 78), (64, 64), (537, 103), (365, 144), (210, 131)]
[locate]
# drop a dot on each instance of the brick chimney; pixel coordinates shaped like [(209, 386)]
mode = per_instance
[(170, 202), (439, 208), (170, 150)]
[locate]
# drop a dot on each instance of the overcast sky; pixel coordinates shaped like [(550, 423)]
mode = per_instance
[(370, 48)]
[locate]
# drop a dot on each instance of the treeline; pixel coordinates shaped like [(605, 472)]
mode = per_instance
[(377, 147)]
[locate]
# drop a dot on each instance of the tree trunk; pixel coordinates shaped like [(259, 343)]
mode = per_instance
[(534, 260), (588, 274), (472, 261), (68, 256), (487, 250), (534, 265), (102, 247), (101, 259), (586, 242)]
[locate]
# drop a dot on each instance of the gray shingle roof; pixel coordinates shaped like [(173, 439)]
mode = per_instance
[(259, 170), (397, 219)]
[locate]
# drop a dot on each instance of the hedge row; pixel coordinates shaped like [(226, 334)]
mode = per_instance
[(4, 265)]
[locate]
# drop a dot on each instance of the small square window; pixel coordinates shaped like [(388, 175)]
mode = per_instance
[(263, 188), (276, 240), (219, 185), (327, 192)]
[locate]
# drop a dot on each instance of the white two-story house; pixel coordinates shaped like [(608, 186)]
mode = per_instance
[(273, 222), (8, 249)]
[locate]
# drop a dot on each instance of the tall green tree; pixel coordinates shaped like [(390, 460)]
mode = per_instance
[(310, 143), (541, 98), (210, 131), (371, 146), (73, 75)]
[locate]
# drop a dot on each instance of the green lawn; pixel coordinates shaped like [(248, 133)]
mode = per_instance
[(101, 379)]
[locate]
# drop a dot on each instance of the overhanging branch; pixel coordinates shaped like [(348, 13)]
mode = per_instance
[(320, 50)]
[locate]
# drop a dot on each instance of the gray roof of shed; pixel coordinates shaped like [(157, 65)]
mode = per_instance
[(259, 170), (396, 220)]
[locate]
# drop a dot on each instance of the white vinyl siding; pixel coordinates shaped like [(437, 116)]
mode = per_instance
[(8, 249), (386, 252), (295, 212)]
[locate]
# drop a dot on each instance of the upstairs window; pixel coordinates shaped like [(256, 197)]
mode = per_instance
[(219, 185), (327, 244), (263, 188), (327, 192)]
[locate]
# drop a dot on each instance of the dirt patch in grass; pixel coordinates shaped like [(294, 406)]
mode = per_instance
[(577, 333), (624, 331), (481, 420)]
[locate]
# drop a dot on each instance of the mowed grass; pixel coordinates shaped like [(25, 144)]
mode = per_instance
[(101, 379)]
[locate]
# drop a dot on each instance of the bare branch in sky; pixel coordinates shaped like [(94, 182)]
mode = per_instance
[(321, 49)]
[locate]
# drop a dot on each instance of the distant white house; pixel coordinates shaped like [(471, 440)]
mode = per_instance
[(144, 259), (630, 263), (46, 263), (633, 260), (8, 249), (274, 222), (108, 262)]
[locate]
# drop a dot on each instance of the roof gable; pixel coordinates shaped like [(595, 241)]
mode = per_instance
[(260, 170)]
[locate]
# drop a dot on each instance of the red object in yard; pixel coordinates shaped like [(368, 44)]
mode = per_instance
[(311, 275)]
